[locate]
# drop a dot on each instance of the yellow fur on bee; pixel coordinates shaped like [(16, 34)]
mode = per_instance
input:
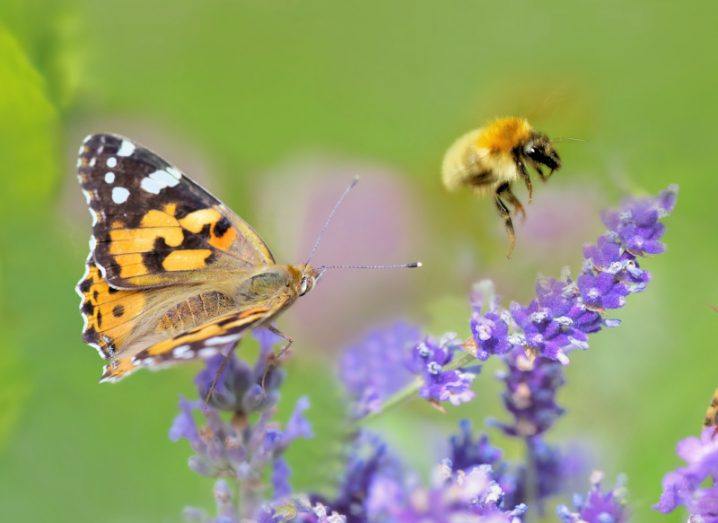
[(503, 134)]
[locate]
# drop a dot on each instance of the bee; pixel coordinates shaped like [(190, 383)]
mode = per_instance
[(489, 159)]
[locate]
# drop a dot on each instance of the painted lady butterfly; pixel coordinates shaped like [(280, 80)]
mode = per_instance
[(172, 273)]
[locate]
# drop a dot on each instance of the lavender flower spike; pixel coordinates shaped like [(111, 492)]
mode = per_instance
[(597, 506), (684, 486), (565, 312)]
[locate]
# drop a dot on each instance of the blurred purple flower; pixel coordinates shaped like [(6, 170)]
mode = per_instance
[(429, 359), (685, 485), (464, 495), (374, 368), (597, 506), (387, 359), (368, 463), (530, 395), (240, 449), (240, 388)]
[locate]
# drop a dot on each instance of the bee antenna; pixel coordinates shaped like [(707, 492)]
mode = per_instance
[(568, 139), (353, 183)]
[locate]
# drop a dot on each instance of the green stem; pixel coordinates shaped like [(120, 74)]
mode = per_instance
[(532, 514), (462, 359)]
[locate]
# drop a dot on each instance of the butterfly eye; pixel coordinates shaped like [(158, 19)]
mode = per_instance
[(305, 285)]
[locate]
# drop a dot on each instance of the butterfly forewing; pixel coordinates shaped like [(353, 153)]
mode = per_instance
[(153, 226)]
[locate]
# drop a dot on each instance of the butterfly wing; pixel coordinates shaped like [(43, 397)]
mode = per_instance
[(152, 225), (203, 341)]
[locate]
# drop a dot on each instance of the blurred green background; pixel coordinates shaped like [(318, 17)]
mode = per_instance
[(275, 105)]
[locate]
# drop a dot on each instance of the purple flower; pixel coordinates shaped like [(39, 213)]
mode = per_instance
[(636, 224), (565, 312), (530, 395), (684, 486), (240, 388), (298, 511), (429, 359), (367, 463), (387, 359), (375, 367), (597, 506), (471, 496), (490, 335), (602, 291), (465, 453)]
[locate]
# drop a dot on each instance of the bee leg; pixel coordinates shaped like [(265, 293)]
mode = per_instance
[(505, 190), (524, 175), (506, 216), (542, 174)]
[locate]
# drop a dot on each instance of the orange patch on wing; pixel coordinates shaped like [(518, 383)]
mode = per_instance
[(125, 241), (103, 317), (195, 221), (121, 310), (504, 134), (118, 368), (186, 260), (131, 265), (155, 218), (225, 241)]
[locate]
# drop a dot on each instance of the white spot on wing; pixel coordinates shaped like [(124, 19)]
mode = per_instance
[(174, 172), (221, 340), (183, 352), (109, 177), (120, 194), (207, 352), (92, 161), (126, 148), (111, 162), (158, 180)]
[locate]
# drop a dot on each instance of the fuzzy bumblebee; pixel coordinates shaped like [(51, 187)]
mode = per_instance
[(489, 159)]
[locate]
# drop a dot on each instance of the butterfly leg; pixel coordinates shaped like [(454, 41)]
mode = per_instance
[(219, 372), (506, 216), (285, 349)]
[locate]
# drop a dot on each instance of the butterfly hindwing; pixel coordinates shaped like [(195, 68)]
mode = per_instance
[(203, 341), (153, 226)]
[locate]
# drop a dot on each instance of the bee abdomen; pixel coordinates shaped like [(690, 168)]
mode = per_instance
[(194, 311)]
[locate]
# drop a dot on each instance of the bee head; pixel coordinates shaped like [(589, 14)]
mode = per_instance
[(541, 151)]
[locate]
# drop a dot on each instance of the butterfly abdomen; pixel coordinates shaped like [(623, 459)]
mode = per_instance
[(194, 311)]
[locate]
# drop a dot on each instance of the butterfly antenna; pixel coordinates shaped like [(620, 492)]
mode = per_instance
[(353, 183), (410, 265)]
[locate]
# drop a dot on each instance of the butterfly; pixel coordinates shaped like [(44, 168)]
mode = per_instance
[(172, 274), (711, 417)]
